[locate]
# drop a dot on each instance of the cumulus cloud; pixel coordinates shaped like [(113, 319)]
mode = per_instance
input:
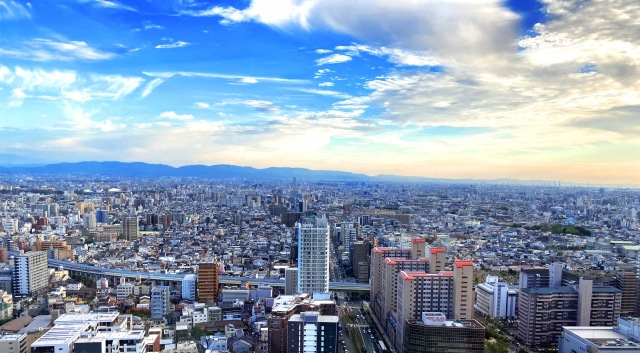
[(178, 44), (323, 51), (202, 105), (462, 29), (333, 59), (173, 116)]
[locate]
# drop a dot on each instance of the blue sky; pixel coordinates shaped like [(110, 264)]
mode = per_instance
[(486, 89)]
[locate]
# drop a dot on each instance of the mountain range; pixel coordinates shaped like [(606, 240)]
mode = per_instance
[(226, 171)]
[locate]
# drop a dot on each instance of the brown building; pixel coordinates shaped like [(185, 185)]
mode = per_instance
[(542, 311), (208, 281), (627, 282), (430, 335), (3, 255), (41, 245)]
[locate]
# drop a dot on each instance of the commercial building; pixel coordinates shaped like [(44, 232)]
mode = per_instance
[(625, 338), (360, 260), (130, 228), (313, 257), (433, 333), (30, 273), (598, 305), (290, 280), (495, 299), (627, 282), (311, 332), (534, 277), (208, 281), (189, 287), (543, 311), (13, 343), (160, 301)]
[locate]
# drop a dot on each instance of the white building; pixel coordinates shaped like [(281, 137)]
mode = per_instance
[(30, 273), (313, 257), (10, 225), (494, 298), (622, 339), (189, 287), (160, 297), (124, 289)]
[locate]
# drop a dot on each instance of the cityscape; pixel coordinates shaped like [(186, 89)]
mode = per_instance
[(319, 176)]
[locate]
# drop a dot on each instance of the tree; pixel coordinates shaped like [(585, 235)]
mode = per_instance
[(556, 228), (198, 332)]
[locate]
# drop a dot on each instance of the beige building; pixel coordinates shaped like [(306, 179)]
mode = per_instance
[(598, 305), (543, 311), (14, 343), (130, 228), (463, 289)]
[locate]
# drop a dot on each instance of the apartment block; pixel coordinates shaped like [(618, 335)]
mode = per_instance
[(30, 274), (313, 257), (311, 332), (543, 311), (208, 281)]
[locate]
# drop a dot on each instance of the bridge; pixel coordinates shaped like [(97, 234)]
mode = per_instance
[(73, 267)]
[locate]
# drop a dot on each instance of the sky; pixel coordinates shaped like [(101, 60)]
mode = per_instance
[(479, 89)]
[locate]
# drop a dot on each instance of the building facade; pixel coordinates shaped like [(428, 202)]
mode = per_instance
[(313, 257), (434, 334), (311, 332), (30, 274)]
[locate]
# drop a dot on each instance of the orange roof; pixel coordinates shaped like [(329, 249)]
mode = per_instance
[(462, 263), (418, 240), (437, 250), (381, 250)]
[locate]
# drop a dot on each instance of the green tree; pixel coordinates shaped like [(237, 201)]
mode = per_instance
[(556, 228)]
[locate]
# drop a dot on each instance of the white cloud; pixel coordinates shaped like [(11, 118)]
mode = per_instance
[(152, 26), (321, 72), (333, 59), (173, 116), (323, 92), (67, 85), (151, 86), (240, 78), (323, 51), (109, 4), (259, 105), (394, 55), (326, 84), (12, 10), (49, 50), (178, 44), (202, 105), (461, 29)]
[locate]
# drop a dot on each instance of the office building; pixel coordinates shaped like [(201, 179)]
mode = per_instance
[(290, 280), (433, 333), (495, 299), (30, 273), (189, 287), (208, 281), (313, 257), (311, 332), (543, 311), (598, 305), (89, 220), (130, 228), (160, 301), (360, 261), (13, 343), (42, 245)]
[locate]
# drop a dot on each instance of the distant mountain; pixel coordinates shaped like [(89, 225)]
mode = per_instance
[(226, 171)]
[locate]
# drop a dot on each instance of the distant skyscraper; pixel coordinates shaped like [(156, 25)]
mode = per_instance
[(313, 257), (130, 228)]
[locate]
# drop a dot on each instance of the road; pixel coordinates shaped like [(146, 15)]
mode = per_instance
[(336, 272), (364, 327)]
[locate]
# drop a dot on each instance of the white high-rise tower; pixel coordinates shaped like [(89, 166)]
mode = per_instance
[(313, 257)]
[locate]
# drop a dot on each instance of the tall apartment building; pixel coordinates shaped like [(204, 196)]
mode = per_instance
[(463, 289), (14, 343), (313, 257), (495, 299), (130, 228), (378, 258), (543, 311), (360, 261), (598, 305), (290, 280), (189, 287), (311, 332), (627, 282), (420, 292), (30, 273), (208, 281), (434, 334), (389, 290), (160, 300), (534, 277)]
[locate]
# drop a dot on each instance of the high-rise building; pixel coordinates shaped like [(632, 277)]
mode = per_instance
[(463, 289), (189, 287), (160, 301), (313, 257), (433, 333), (30, 274), (534, 277), (311, 332), (290, 280), (89, 220), (208, 281), (627, 282), (378, 258), (360, 261), (494, 298), (598, 305), (543, 311), (389, 292), (130, 228)]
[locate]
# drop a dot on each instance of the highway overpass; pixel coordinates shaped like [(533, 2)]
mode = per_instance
[(177, 277)]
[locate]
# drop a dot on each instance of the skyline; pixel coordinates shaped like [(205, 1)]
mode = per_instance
[(438, 89)]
